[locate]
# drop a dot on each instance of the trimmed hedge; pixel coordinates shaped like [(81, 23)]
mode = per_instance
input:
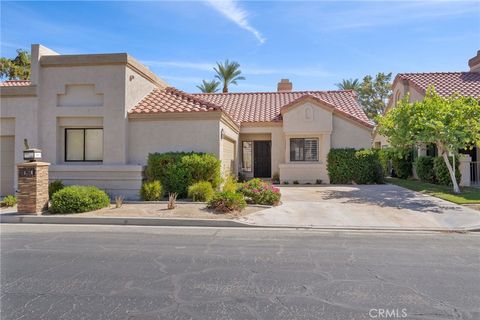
[(200, 191), (151, 191), (402, 167), (424, 168), (348, 165), (76, 199), (179, 170), (442, 176)]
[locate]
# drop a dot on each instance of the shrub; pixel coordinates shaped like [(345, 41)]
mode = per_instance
[(53, 187), (178, 170), (348, 165), (200, 191), (230, 184), (424, 168), (227, 201), (341, 165), (151, 191), (367, 167), (172, 200), (276, 178), (8, 201), (402, 167), (442, 176), (385, 156), (260, 192), (74, 199)]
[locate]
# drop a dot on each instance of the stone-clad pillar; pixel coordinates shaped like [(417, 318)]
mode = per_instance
[(32, 194), (464, 168)]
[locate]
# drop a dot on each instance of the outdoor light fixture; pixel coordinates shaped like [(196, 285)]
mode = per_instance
[(222, 134), (32, 155)]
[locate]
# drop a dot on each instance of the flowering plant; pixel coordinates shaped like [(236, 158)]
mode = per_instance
[(258, 191)]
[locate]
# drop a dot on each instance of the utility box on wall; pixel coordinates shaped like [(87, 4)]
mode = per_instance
[(32, 187)]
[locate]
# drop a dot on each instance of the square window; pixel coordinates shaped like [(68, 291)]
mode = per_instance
[(303, 149), (83, 145)]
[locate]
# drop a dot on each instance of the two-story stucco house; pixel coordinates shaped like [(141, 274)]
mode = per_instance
[(96, 118), (466, 83)]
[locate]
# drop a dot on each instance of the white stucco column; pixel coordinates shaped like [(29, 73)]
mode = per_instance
[(326, 144), (464, 168)]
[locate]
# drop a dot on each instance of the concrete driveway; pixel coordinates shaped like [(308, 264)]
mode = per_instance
[(379, 206)]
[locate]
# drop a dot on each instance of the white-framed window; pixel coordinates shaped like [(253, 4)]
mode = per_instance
[(247, 156), (83, 145), (303, 149)]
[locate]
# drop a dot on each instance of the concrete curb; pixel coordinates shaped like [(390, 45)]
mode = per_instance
[(132, 221), (219, 223)]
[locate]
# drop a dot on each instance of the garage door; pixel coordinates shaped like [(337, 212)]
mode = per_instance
[(228, 161), (7, 163)]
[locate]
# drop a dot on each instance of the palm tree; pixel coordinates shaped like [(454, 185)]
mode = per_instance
[(209, 86), (228, 73), (349, 84)]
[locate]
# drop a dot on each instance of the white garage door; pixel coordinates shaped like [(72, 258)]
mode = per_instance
[(7, 163), (228, 161)]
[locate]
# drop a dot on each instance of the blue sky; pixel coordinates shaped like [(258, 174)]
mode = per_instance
[(314, 44)]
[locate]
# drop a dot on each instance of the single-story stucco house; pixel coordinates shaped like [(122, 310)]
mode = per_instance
[(96, 118), (446, 83)]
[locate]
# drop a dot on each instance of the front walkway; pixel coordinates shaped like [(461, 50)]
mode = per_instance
[(379, 206)]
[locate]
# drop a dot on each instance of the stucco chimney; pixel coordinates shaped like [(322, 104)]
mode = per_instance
[(474, 63), (284, 85)]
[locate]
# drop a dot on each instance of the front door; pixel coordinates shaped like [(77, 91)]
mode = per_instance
[(262, 159)]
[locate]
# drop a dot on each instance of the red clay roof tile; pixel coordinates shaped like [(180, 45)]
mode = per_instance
[(445, 83), (15, 83)]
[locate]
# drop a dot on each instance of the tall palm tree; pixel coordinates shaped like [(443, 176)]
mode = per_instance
[(349, 84), (209, 86), (228, 73)]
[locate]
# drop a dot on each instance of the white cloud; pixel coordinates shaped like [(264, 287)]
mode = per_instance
[(232, 11)]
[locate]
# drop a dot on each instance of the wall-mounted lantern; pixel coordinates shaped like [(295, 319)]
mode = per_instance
[(32, 155), (222, 134)]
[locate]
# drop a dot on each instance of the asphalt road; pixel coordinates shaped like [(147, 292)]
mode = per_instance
[(101, 272)]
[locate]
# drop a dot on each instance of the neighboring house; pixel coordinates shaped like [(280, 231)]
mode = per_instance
[(96, 118), (446, 84)]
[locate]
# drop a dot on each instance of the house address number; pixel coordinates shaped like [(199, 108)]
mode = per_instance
[(27, 172)]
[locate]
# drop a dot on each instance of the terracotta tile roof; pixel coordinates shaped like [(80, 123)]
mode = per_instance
[(255, 107), (15, 83), (172, 100), (266, 106), (445, 83)]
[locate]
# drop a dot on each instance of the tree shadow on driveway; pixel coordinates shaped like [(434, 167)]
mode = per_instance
[(387, 196)]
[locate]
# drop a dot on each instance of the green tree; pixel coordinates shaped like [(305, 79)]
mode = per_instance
[(373, 94), (209, 86), (17, 68), (349, 84), (451, 123), (228, 73)]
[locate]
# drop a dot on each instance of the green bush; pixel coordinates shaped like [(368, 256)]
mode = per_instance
[(424, 168), (227, 201), (258, 191), (385, 155), (341, 165), (200, 191), (442, 175), (230, 184), (53, 187), (151, 191), (178, 170), (8, 201), (402, 167), (74, 199), (368, 169), (349, 165)]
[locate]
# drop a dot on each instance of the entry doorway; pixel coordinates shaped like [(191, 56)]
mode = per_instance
[(262, 159)]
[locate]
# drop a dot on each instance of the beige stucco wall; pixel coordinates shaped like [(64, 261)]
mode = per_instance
[(163, 135), (349, 134), (19, 118)]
